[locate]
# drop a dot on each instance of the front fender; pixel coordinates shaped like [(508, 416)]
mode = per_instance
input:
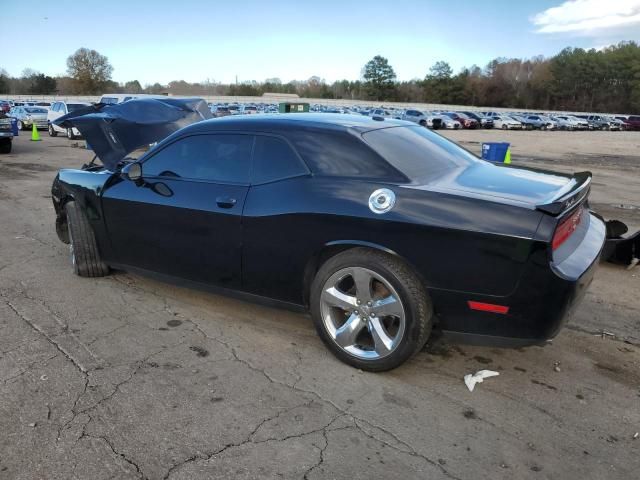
[(85, 188)]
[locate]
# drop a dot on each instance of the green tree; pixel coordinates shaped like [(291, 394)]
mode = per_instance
[(90, 70), (379, 78), (4, 81), (133, 87)]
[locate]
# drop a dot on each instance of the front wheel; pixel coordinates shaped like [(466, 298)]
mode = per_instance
[(21, 125), (52, 131), (83, 247), (70, 134), (505, 126), (370, 309)]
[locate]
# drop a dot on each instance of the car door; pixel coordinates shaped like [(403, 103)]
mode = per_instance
[(183, 218), (270, 253)]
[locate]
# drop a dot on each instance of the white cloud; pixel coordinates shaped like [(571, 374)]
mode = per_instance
[(588, 16)]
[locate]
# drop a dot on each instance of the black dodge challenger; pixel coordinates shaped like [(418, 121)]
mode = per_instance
[(381, 228)]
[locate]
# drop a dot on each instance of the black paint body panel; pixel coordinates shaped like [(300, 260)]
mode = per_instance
[(465, 243)]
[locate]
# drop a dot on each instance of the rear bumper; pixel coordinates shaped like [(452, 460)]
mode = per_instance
[(539, 306)]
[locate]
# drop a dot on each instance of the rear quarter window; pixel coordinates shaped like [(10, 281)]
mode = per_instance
[(338, 153), (273, 159), (419, 154)]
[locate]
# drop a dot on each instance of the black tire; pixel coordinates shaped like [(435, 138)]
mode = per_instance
[(70, 134), (5, 146), (84, 249), (52, 131), (21, 125), (414, 298), (423, 123), (505, 126)]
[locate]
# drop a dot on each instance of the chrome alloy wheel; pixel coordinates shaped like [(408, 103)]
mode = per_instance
[(362, 313)]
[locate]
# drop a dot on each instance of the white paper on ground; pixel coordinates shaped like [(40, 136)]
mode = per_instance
[(471, 379)]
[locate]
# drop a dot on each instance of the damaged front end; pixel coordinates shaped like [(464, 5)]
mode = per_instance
[(115, 130)]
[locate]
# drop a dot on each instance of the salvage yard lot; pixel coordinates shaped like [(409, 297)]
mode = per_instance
[(126, 377)]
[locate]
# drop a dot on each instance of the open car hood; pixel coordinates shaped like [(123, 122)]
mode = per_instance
[(115, 130)]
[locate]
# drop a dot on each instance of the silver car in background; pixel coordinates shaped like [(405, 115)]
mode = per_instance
[(447, 122), (506, 122), (28, 116), (422, 118)]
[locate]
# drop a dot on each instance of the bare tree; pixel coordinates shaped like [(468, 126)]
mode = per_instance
[(90, 70)]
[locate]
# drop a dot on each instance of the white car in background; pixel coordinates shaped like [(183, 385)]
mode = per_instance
[(505, 122), (567, 122), (59, 109)]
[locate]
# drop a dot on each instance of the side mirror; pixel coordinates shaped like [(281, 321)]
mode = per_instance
[(134, 172)]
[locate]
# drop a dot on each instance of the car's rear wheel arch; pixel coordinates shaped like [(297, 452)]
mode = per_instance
[(331, 249)]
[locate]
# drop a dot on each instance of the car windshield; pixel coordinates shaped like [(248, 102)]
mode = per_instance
[(35, 110), (418, 153), (72, 107)]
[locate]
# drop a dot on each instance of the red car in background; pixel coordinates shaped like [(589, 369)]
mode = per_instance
[(465, 120), (632, 123)]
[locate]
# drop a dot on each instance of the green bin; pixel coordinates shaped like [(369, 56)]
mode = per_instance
[(286, 107)]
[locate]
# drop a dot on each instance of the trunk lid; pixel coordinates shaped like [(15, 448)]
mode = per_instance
[(550, 192)]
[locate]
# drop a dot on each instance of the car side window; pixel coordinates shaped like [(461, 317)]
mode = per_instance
[(274, 159), (224, 158)]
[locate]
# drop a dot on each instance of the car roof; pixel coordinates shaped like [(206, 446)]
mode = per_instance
[(328, 121)]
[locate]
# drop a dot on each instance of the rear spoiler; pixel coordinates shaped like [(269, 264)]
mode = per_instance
[(578, 190)]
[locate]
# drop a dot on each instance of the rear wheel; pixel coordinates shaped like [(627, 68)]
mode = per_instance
[(85, 257), (52, 131), (370, 309)]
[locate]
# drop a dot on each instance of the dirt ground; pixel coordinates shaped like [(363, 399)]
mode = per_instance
[(125, 377)]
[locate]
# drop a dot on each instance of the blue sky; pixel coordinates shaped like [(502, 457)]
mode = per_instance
[(198, 40)]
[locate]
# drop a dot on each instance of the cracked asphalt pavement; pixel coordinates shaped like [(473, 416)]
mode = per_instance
[(125, 377)]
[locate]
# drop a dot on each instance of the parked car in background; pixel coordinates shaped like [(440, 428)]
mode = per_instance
[(59, 109), (614, 123), (632, 122), (111, 98), (423, 118), (448, 122), (220, 111), (506, 122), (526, 123), (541, 122), (374, 226), (381, 112), (6, 133), (464, 120), (582, 124), (248, 109), (29, 116), (568, 122), (5, 106), (485, 122)]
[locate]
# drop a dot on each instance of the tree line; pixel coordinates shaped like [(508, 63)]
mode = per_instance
[(605, 80)]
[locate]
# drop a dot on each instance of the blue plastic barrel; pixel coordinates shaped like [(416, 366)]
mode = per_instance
[(495, 151), (14, 126)]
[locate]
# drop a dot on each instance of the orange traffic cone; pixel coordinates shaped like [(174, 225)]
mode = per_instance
[(35, 136)]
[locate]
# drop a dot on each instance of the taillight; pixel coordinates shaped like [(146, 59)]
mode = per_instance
[(566, 228)]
